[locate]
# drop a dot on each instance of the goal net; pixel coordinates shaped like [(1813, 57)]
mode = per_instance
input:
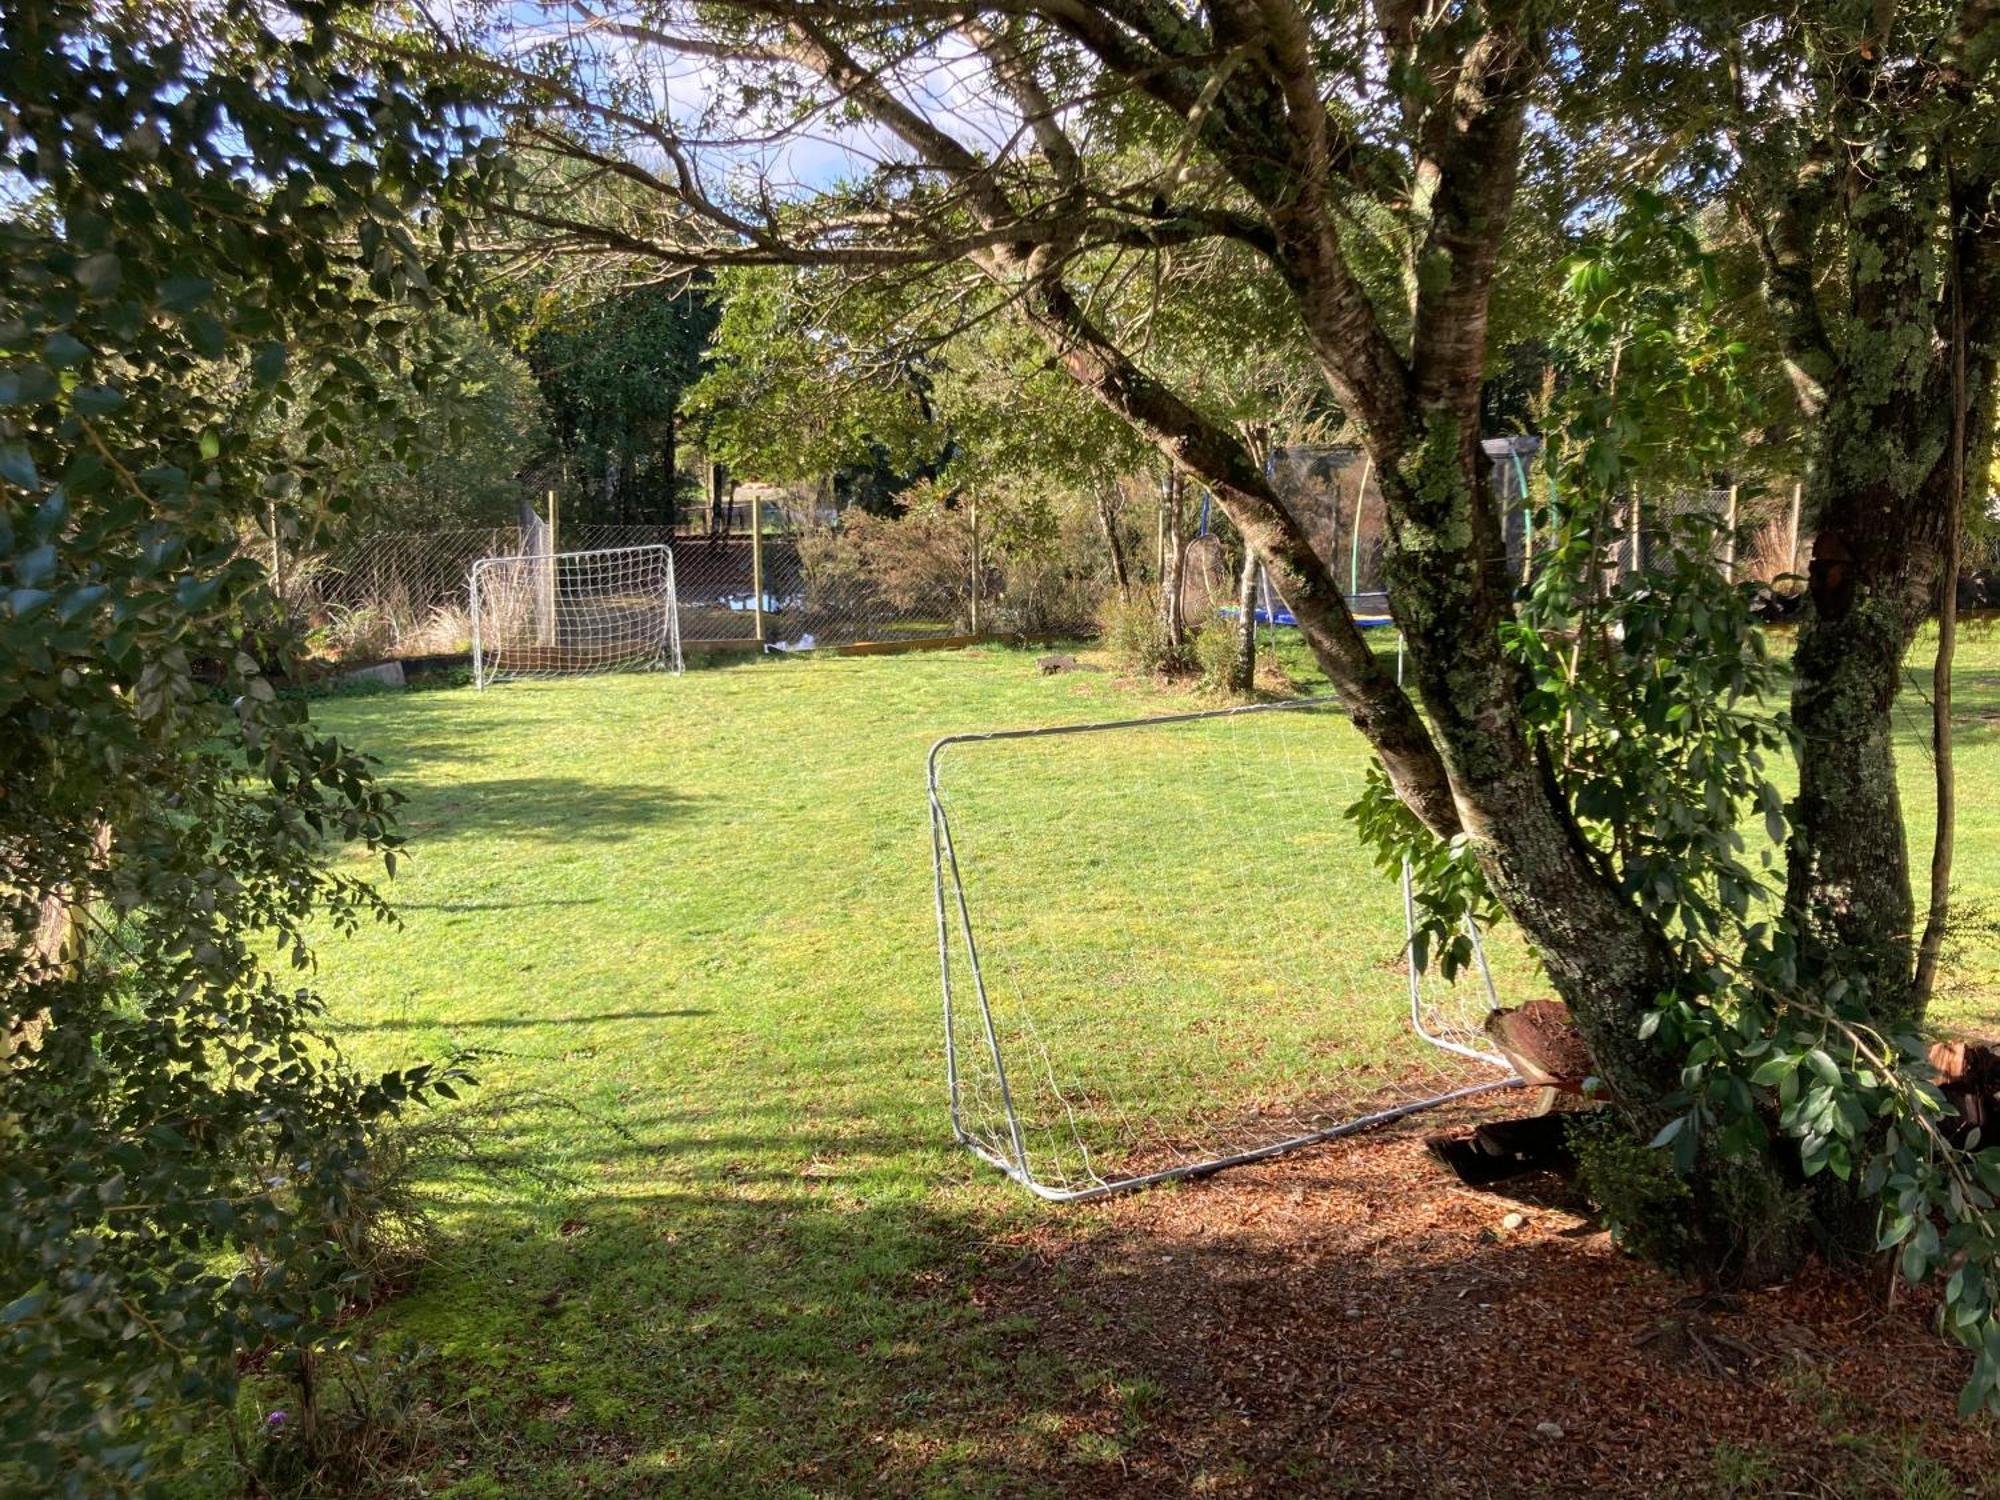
[(1165, 951), (557, 614)]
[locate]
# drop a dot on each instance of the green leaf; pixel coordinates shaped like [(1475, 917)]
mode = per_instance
[(27, 385), (99, 275), (183, 294), (267, 366), (1773, 1069), (98, 400), (64, 349), (17, 466), (24, 1306), (207, 336), (1914, 1262), (35, 566)]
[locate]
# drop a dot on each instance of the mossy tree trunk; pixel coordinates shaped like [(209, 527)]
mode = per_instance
[(1243, 666), (1894, 373), (1173, 559)]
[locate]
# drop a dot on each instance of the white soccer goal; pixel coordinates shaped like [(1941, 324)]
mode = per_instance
[(557, 614), (1164, 950)]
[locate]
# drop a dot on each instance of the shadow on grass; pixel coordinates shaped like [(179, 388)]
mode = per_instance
[(466, 906), (727, 1301), (467, 1023), (716, 1341), (547, 809)]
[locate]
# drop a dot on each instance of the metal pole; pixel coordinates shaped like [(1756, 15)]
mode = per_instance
[(1729, 538), (478, 672), (549, 577), (1527, 518), (1354, 533)]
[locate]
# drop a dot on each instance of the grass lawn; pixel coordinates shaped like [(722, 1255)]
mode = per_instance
[(719, 1242)]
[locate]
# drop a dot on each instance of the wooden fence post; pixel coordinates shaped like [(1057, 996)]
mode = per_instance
[(976, 570), (757, 560)]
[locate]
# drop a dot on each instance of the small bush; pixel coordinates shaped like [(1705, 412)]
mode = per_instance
[(1214, 647), (1045, 595), (1137, 637), (361, 634), (1640, 1197), (445, 631)]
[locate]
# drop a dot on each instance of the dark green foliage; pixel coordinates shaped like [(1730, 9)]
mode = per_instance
[(477, 428), (1643, 1200), (183, 1157), (613, 371)]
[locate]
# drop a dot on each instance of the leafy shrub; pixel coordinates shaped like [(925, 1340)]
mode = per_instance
[(184, 1154), (1214, 647), (1635, 1188), (356, 634), (921, 563), (1132, 632)]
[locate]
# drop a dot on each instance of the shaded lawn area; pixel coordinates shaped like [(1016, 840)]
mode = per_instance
[(717, 1241)]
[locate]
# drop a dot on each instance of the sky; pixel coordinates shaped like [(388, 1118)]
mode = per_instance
[(755, 144)]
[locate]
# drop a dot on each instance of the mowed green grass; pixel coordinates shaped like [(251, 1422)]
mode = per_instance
[(719, 1241)]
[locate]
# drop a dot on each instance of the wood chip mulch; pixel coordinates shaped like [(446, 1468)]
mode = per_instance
[(1352, 1321)]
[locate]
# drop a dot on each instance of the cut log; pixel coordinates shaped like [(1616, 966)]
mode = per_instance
[(1968, 1074), (1543, 1044), (1061, 662)]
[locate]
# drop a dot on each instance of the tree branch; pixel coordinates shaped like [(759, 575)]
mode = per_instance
[(1217, 458)]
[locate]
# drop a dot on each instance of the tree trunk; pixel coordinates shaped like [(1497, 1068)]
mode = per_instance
[(1243, 667), (717, 480), (1885, 495), (1874, 570), (1173, 553), (1107, 517), (670, 495), (1379, 707)]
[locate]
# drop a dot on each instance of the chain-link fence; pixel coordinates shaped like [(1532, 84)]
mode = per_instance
[(795, 576), (851, 580), (1334, 493)]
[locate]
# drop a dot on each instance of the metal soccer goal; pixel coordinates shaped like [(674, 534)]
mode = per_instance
[(557, 614), (1164, 952)]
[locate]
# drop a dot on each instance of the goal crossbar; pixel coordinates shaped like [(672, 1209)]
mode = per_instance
[(1007, 1149)]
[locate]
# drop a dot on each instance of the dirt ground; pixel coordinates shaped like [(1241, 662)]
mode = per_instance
[(1352, 1321)]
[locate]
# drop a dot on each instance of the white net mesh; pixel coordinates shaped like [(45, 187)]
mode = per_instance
[(548, 615), (1164, 949)]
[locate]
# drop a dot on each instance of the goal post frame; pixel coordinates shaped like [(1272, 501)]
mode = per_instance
[(1014, 1161), (660, 649)]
